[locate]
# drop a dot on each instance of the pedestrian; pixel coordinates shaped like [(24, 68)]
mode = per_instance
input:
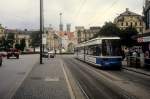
[(126, 53), (134, 54)]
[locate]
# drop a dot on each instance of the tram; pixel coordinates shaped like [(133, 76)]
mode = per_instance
[(104, 52)]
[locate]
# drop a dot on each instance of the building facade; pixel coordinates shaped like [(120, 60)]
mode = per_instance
[(18, 35), (144, 39), (2, 31), (68, 41), (128, 18), (91, 33), (80, 33), (68, 27), (86, 34), (146, 12), (53, 41)]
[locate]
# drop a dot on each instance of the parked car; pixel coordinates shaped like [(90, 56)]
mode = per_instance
[(48, 54), (3, 53), (51, 54), (13, 52)]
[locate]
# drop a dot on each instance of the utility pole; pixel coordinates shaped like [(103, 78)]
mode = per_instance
[(60, 25), (41, 30), (60, 30)]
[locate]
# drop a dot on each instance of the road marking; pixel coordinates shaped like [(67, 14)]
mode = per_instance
[(47, 79), (68, 83)]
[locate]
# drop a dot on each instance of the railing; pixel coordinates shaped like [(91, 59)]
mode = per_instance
[(138, 62)]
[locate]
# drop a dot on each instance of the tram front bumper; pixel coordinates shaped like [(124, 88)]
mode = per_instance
[(113, 65)]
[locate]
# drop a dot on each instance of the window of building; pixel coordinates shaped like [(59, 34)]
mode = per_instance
[(126, 23), (148, 19), (131, 24), (140, 23), (121, 23), (141, 30), (136, 23)]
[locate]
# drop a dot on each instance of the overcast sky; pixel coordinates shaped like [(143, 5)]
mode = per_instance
[(21, 14)]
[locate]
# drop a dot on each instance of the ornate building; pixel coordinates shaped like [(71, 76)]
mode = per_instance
[(53, 41), (90, 33), (80, 33), (146, 12), (86, 34), (68, 41), (129, 18), (18, 35)]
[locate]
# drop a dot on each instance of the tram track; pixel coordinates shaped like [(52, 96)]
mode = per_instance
[(93, 85), (126, 75)]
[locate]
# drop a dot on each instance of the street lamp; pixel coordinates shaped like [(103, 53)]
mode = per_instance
[(41, 29)]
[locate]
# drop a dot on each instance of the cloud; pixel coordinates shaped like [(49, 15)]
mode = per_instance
[(25, 13)]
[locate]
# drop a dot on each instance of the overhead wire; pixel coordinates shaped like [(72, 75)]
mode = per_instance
[(105, 12), (80, 8)]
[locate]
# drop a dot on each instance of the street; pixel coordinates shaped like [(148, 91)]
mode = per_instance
[(13, 72), (65, 77), (96, 83), (75, 49)]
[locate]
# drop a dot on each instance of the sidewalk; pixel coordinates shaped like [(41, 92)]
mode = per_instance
[(138, 70), (46, 81)]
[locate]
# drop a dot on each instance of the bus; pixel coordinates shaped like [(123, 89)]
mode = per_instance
[(104, 52)]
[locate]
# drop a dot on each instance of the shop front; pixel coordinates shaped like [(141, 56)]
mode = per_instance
[(145, 43)]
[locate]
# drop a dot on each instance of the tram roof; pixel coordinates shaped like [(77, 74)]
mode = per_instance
[(96, 41)]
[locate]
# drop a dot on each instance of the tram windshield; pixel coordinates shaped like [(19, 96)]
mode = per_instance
[(111, 47)]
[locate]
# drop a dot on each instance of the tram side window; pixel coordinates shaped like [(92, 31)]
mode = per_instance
[(86, 51), (97, 51), (80, 51), (111, 48), (76, 50), (104, 47), (94, 50), (90, 51)]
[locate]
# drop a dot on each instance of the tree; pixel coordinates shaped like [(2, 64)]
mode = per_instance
[(71, 47), (22, 44), (10, 40), (109, 29), (17, 46), (2, 43), (35, 39), (128, 36)]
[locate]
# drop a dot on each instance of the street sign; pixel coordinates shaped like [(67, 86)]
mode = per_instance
[(143, 39), (146, 39), (44, 39), (140, 40)]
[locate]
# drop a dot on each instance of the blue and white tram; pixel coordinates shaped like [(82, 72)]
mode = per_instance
[(104, 52)]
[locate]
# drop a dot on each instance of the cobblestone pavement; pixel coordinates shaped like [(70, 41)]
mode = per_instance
[(13, 72), (46, 81)]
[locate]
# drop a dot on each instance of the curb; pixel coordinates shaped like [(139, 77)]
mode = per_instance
[(136, 71)]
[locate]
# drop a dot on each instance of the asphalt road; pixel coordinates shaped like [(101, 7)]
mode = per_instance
[(13, 72), (108, 84)]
